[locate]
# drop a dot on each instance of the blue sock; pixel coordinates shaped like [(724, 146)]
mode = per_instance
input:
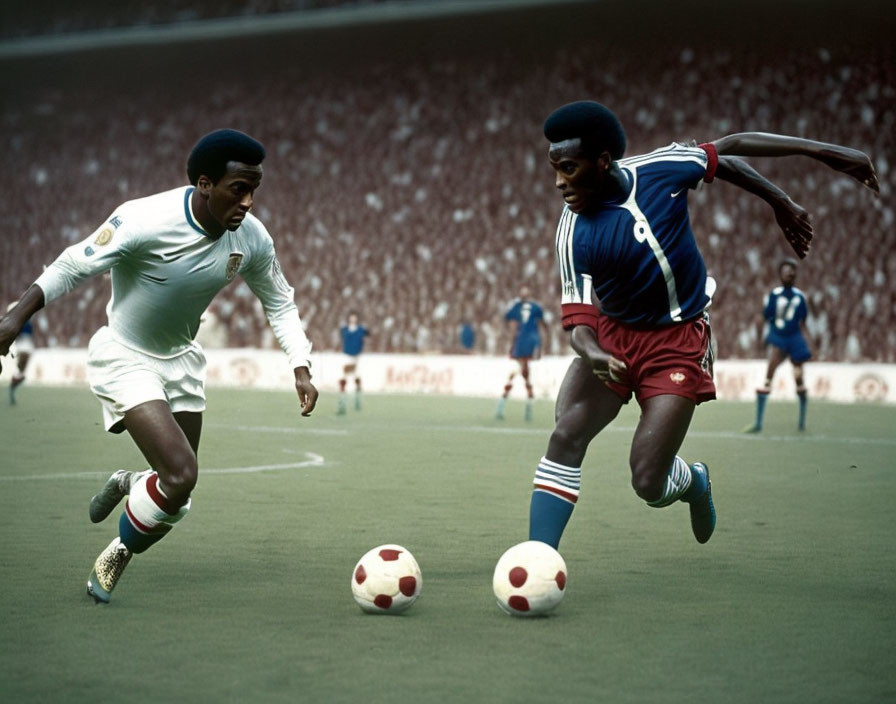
[(554, 498), (548, 516), (761, 399), (804, 402)]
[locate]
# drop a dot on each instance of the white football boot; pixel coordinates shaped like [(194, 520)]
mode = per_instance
[(107, 570)]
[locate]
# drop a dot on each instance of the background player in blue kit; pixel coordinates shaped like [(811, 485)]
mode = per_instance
[(352, 334), (785, 336), (634, 298), (527, 318)]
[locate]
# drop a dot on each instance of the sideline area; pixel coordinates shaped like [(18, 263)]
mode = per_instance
[(475, 375)]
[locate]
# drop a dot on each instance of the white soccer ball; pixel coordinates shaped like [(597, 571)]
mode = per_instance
[(386, 580), (530, 579)]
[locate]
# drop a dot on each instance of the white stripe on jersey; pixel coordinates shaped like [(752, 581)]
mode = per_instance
[(565, 229), (674, 152), (643, 233)]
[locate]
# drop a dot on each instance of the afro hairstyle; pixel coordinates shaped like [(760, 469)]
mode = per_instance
[(212, 153), (593, 123)]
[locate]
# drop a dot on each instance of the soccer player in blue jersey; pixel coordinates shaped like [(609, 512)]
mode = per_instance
[(527, 319), (168, 254), (352, 334), (785, 337), (634, 299)]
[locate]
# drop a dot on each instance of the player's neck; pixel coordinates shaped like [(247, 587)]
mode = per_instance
[(199, 208)]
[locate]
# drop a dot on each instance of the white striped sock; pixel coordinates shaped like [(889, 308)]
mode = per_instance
[(677, 482), (558, 479)]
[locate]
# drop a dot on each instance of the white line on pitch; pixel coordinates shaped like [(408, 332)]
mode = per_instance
[(313, 461), (494, 430), (278, 429)]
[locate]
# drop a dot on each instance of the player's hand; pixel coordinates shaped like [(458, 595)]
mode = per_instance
[(853, 163), (796, 224), (8, 334), (307, 393), (611, 369)]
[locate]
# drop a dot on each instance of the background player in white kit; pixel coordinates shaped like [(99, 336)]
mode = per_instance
[(169, 254)]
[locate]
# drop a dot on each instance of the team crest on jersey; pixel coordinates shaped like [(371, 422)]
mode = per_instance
[(104, 237), (233, 264), (677, 377)]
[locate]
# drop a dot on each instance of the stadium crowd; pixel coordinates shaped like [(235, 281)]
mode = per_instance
[(419, 193)]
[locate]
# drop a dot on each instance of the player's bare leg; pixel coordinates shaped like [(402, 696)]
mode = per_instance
[(19, 376), (524, 372), (502, 402), (157, 501), (584, 407), (659, 475), (347, 370)]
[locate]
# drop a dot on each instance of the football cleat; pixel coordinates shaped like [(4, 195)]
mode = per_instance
[(752, 428), (116, 488), (107, 570), (703, 513)]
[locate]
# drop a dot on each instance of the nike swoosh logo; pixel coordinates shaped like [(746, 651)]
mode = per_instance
[(677, 193)]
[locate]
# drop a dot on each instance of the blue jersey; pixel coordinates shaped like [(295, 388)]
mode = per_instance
[(527, 314), (353, 339), (785, 309), (467, 335), (637, 255), (27, 328)]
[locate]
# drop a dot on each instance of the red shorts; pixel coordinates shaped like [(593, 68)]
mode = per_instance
[(673, 360)]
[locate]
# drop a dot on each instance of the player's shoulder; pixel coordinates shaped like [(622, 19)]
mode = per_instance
[(675, 152), (253, 227), (777, 291), (152, 202), (146, 212)]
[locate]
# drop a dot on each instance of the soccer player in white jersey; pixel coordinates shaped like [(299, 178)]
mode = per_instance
[(634, 296), (168, 255)]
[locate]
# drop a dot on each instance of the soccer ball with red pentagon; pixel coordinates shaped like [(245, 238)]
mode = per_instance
[(386, 580), (530, 579)]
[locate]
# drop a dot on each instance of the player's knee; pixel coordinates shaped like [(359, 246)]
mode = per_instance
[(567, 439), (179, 476), (647, 483)]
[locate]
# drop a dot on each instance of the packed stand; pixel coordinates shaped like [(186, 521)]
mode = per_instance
[(420, 195)]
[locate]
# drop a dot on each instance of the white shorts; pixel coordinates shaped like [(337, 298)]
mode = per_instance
[(351, 360), (122, 378)]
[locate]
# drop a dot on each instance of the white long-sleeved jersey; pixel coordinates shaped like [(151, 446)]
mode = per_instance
[(166, 270)]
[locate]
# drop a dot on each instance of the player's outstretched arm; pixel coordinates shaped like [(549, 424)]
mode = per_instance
[(305, 389), (11, 323), (792, 218), (851, 162)]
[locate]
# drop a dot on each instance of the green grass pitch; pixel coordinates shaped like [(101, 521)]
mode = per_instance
[(248, 599)]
